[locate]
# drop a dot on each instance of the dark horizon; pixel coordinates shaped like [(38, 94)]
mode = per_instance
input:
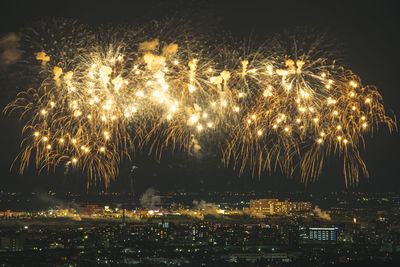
[(365, 33)]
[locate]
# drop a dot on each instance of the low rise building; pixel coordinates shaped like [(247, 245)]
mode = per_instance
[(275, 207)]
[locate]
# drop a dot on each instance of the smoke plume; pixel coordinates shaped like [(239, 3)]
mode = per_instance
[(321, 214), (9, 49), (150, 199), (206, 208)]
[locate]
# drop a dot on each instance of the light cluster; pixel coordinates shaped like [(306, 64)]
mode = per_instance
[(104, 98)]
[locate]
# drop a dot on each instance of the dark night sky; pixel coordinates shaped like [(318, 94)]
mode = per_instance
[(366, 32)]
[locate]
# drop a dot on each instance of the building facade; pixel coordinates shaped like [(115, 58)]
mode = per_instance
[(275, 207)]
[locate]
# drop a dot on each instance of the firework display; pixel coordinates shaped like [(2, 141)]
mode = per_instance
[(103, 95)]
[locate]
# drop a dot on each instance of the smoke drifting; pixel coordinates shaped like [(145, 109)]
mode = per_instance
[(206, 208), (149, 46), (9, 49), (150, 199), (54, 201), (321, 214)]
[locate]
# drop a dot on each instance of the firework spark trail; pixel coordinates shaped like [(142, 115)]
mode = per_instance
[(104, 96)]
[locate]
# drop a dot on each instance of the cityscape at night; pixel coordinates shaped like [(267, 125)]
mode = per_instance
[(236, 228), (199, 133)]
